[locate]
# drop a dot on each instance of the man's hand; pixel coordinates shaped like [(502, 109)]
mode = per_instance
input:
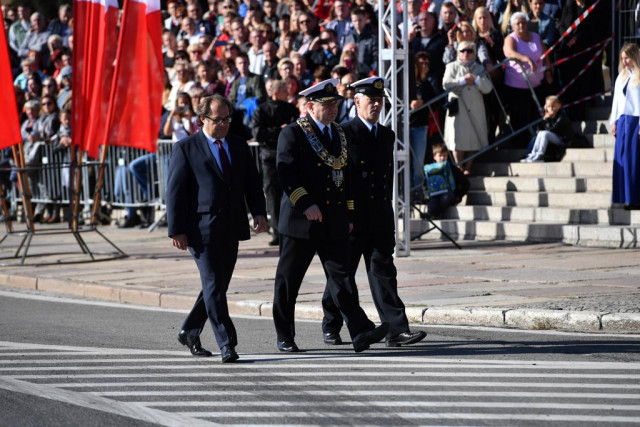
[(180, 241), (313, 213), (260, 224)]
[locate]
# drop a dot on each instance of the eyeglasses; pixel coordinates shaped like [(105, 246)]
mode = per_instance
[(466, 51), (218, 120)]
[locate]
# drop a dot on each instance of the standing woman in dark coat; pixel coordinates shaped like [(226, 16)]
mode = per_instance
[(624, 124)]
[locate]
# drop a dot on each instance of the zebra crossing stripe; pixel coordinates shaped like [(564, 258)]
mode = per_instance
[(92, 401)]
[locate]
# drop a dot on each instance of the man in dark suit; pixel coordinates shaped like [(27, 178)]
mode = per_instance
[(315, 217), (371, 166), (211, 176)]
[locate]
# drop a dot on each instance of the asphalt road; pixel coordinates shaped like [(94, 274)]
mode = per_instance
[(74, 362)]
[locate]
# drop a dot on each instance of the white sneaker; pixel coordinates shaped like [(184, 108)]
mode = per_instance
[(525, 160)]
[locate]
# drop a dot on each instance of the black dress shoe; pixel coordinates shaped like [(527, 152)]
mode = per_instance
[(406, 338), (288, 346), (194, 344), (363, 340), (129, 222), (228, 354), (332, 338)]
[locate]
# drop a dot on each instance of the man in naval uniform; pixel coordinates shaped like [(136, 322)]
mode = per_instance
[(370, 159), (315, 217)]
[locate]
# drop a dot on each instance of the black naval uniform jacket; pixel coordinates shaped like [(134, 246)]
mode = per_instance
[(371, 171), (307, 180)]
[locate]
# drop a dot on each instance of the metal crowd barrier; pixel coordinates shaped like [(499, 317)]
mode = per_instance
[(133, 178)]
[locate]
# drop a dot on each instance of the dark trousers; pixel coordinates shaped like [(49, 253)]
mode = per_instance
[(271, 186), (377, 250), (295, 257), (216, 264)]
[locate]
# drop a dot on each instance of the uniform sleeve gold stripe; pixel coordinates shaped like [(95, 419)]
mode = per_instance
[(296, 194), (350, 205)]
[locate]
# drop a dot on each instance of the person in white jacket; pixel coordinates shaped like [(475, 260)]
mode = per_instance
[(625, 126)]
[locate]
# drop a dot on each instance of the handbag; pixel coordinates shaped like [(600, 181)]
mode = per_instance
[(453, 107)]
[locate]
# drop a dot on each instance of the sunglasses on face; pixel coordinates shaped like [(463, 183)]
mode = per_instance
[(466, 50)]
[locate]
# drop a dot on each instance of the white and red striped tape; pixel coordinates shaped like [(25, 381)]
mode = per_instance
[(571, 28)]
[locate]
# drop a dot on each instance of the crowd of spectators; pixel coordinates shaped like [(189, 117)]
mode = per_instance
[(233, 47)]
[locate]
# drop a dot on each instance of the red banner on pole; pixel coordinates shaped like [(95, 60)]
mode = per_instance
[(9, 121), (135, 106), (95, 35)]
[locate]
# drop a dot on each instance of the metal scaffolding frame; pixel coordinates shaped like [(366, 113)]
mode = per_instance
[(393, 65)]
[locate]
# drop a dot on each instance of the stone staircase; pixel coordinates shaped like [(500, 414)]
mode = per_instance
[(568, 201)]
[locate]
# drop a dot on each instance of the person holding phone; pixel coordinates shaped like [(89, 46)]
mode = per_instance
[(182, 120)]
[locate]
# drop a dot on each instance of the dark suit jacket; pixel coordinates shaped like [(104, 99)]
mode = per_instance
[(307, 180), (200, 203), (371, 172)]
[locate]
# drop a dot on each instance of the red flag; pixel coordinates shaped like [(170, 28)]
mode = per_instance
[(9, 121), (135, 106), (95, 35)]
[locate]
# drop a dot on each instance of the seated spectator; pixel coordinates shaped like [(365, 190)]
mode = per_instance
[(465, 130), (229, 74), (255, 53), (36, 38), (470, 8), (366, 41), (268, 34), (346, 105), (50, 87), (64, 94), (324, 50), (34, 86), (270, 68), (541, 23), (286, 44), (172, 23), (285, 68), (254, 17), (183, 83), (340, 21), (181, 120), (551, 143), (448, 17), (239, 35), (195, 54), (207, 78), (446, 185), (349, 60), (29, 67), (189, 31), (321, 74), (18, 30), (527, 48), (194, 11), (300, 70), (284, 27), (464, 33), (169, 48), (308, 32), (270, 16), (293, 87)]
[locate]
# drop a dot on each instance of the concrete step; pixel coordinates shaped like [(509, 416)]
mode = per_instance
[(549, 184), (490, 230), (602, 154), (601, 140), (559, 169), (539, 199), (598, 113), (616, 216), (619, 237)]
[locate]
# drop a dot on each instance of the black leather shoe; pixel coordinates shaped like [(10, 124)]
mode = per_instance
[(129, 222), (332, 338), (288, 346), (406, 338), (228, 354), (363, 340), (194, 344)]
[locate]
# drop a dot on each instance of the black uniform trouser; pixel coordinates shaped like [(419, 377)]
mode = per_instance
[(295, 257), (216, 264), (377, 250), (271, 185)]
